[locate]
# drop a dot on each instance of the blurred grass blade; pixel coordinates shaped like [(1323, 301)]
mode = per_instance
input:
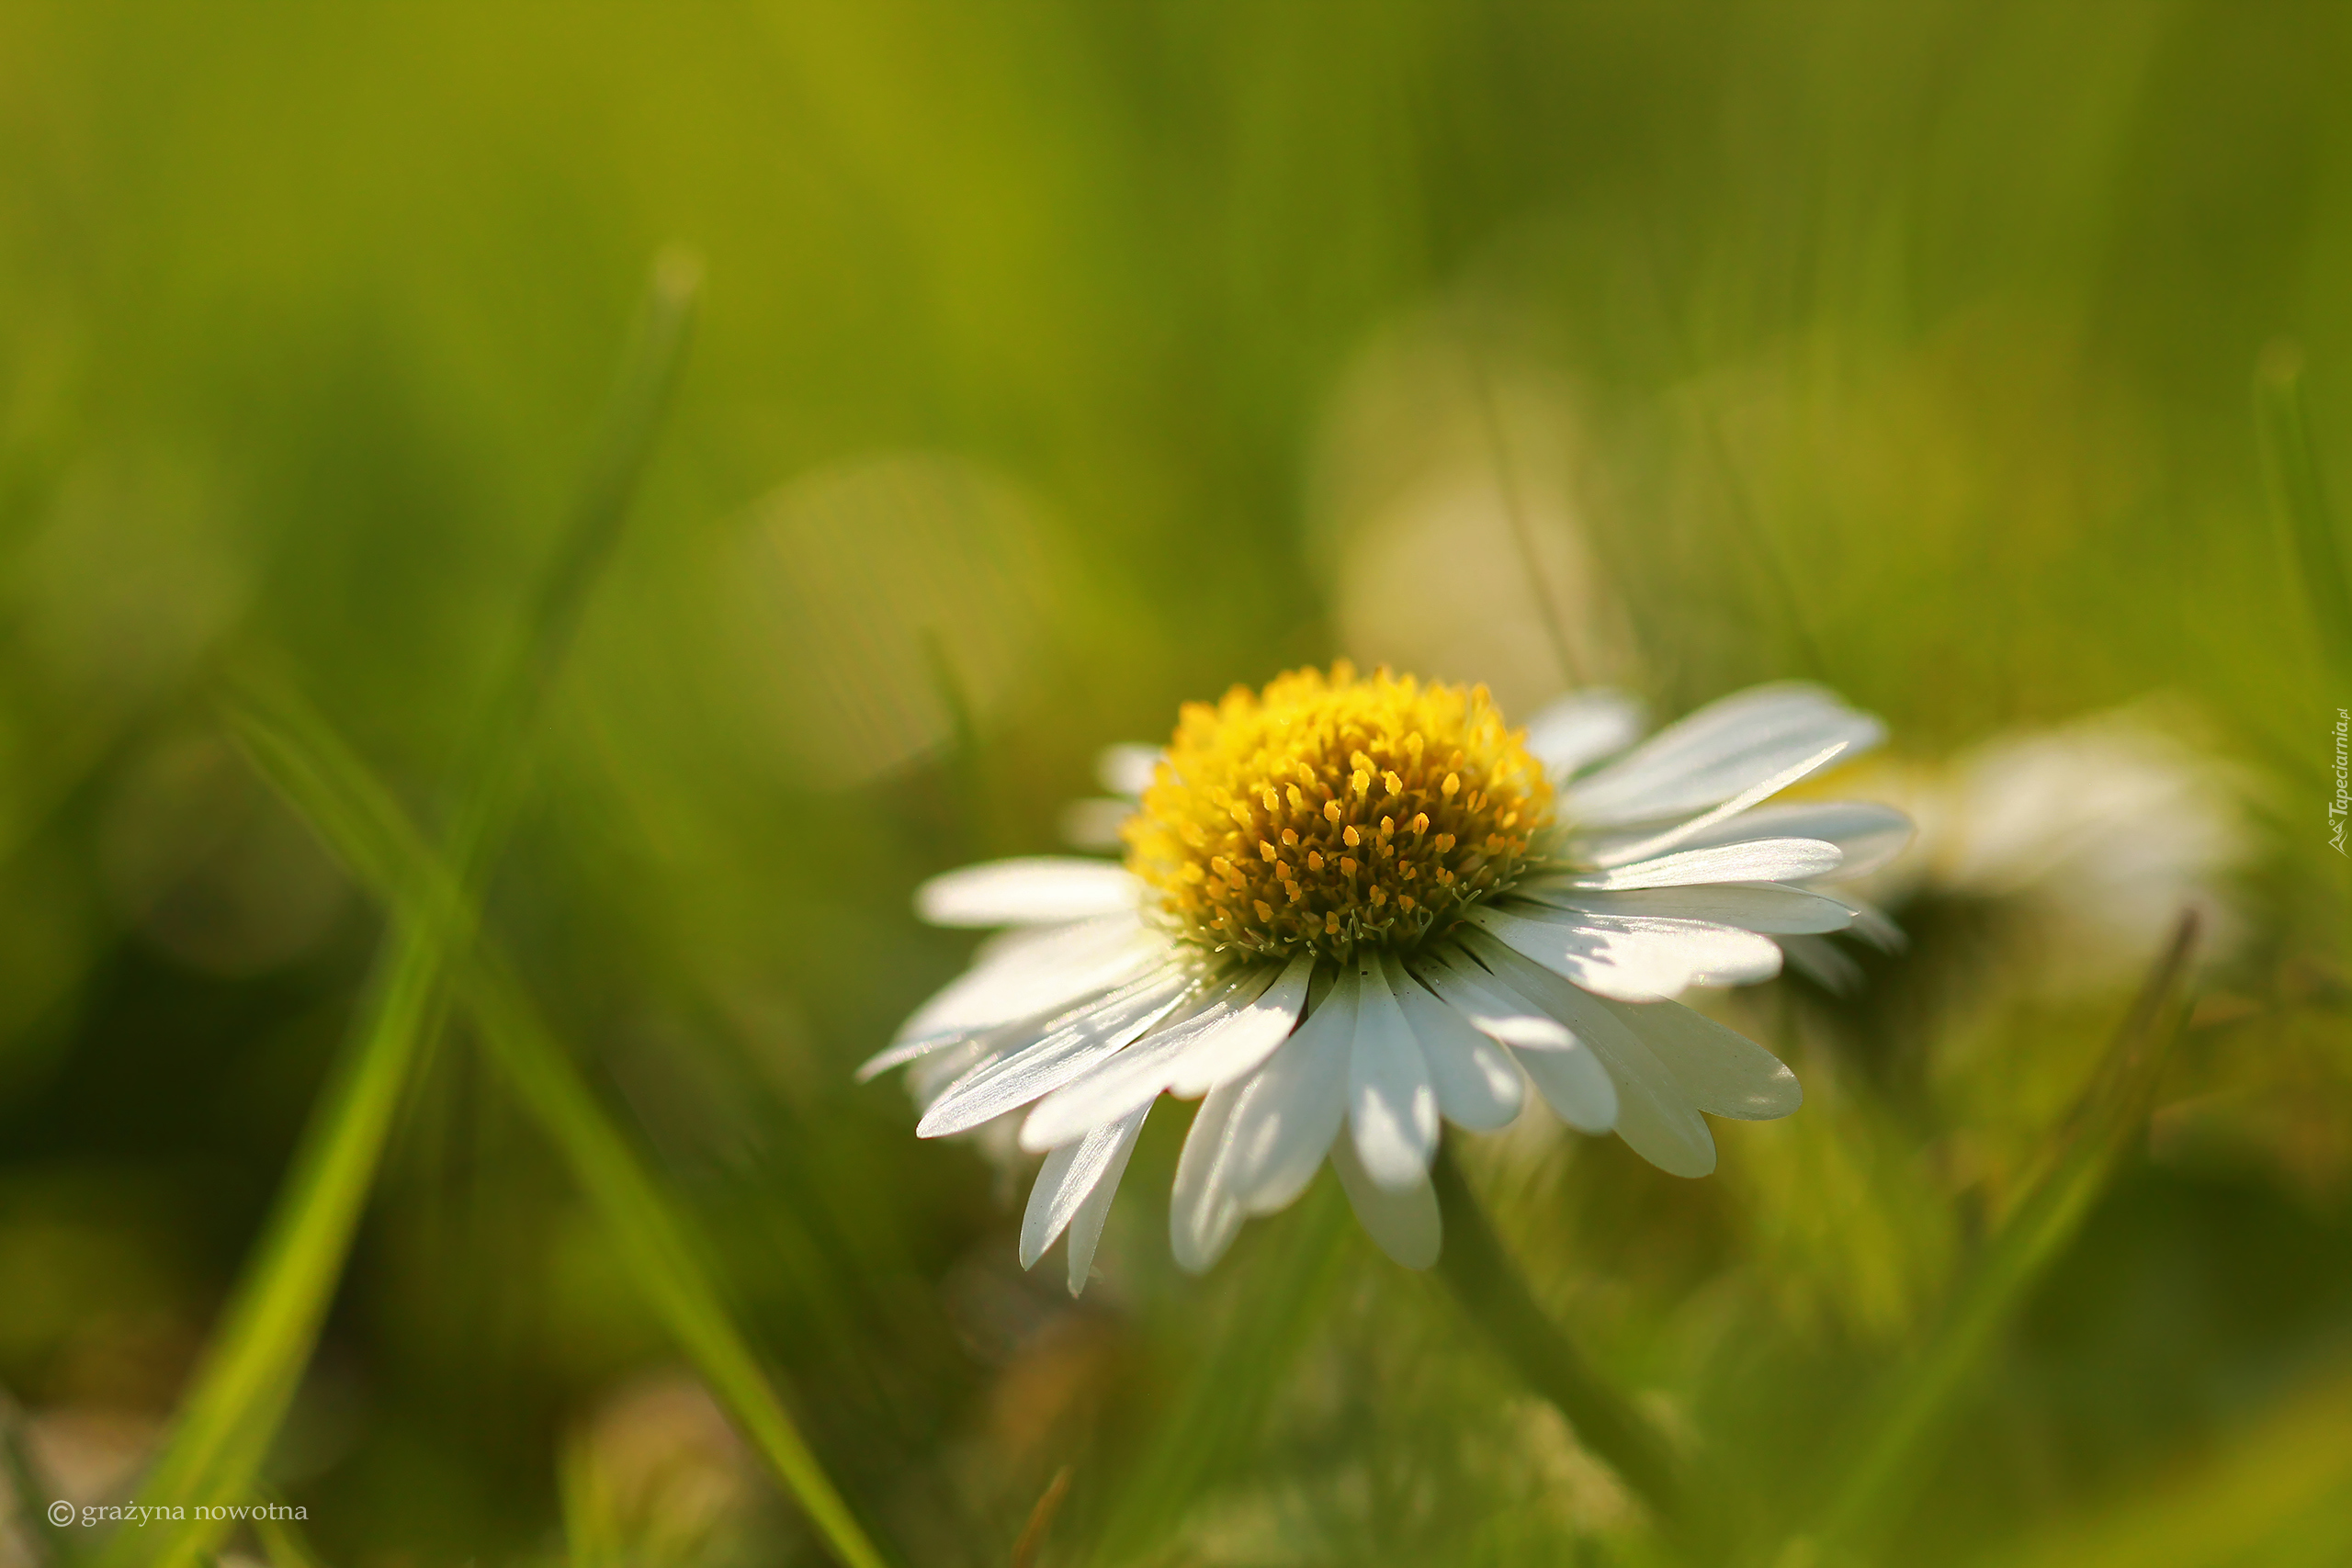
[(1041, 1520), (258, 1354), (1892, 1446), (2280, 1494), (255, 1360), (592, 1531), (654, 1242), (283, 1543), (493, 775), (360, 822), (1742, 510), (1208, 1433), (2300, 496), (971, 805), (1522, 528), (1493, 1294)]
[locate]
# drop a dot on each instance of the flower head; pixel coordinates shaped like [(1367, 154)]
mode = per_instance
[(1329, 813), (1365, 903)]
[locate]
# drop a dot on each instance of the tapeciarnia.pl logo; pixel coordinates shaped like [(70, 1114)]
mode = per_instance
[(2336, 808)]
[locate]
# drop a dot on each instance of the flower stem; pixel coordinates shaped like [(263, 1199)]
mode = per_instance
[(1495, 1295)]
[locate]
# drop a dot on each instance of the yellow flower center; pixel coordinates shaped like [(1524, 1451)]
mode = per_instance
[(1328, 813)]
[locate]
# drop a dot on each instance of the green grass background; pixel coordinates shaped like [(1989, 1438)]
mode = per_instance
[(1911, 348)]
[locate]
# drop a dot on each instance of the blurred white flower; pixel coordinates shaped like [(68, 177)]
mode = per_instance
[(1366, 903), (2090, 838), (87, 1453)]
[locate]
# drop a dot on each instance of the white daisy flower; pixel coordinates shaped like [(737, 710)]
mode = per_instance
[(1354, 907), (2085, 839)]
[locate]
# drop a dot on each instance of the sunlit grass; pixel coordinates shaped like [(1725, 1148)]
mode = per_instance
[(1058, 367), (362, 824), (263, 1343)]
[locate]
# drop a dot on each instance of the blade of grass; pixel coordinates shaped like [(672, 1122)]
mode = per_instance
[(241, 1390), (1884, 1459), (1763, 547), (493, 775), (655, 1242), (283, 1543), (2300, 497), (257, 1356), (361, 822), (971, 803), (1041, 1520), (1522, 528), (591, 1534)]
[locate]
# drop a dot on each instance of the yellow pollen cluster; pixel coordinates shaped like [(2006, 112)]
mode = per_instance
[(1328, 813)]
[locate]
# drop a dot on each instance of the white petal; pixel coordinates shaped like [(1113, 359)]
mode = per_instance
[(1126, 768), (1070, 1174), (1864, 920), (1291, 1109), (1462, 988), (1402, 1220), (1137, 1074), (1236, 1046), (1203, 1215), (927, 1045), (1655, 1115), (1626, 848), (1824, 962), (937, 1064), (1752, 860), (1634, 959), (1091, 1035), (1086, 1225), (1060, 1187), (1043, 974), (1582, 727), (928, 1077), (1571, 1079), (1866, 835), (1719, 751), (1751, 905), (1029, 891), (1476, 1085), (1874, 925), (1722, 1070), (1575, 1084), (1392, 1104)]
